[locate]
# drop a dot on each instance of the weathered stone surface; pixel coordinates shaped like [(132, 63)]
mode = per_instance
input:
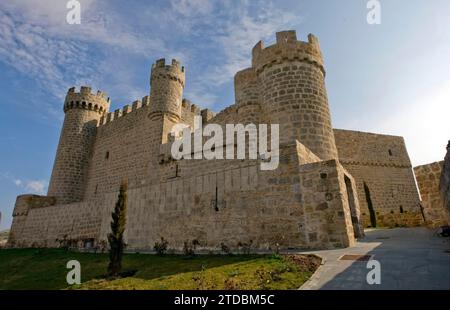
[(445, 179), (383, 164), (312, 200), (433, 182)]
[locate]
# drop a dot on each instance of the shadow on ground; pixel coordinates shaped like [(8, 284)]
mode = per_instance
[(410, 259)]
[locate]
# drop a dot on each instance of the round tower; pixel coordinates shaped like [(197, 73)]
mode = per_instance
[(291, 74), (246, 93), (166, 92), (83, 111)]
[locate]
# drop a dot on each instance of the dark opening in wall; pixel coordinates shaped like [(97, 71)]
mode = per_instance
[(401, 209), (390, 152), (88, 243), (216, 201), (107, 155), (373, 217), (323, 175)]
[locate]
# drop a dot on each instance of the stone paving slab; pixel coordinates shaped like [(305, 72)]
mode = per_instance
[(410, 258)]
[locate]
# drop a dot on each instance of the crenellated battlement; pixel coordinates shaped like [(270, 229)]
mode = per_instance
[(287, 48), (226, 115), (244, 77), (246, 88), (166, 89), (124, 111), (175, 71), (310, 200), (207, 115), (161, 63), (189, 107), (85, 99)]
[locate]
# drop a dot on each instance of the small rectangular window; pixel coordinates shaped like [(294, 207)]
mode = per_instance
[(107, 155)]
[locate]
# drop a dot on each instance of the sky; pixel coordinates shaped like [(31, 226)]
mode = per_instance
[(390, 78)]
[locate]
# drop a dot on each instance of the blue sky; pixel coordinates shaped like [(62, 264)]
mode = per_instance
[(390, 78)]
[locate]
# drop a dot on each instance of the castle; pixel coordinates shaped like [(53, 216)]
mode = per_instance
[(329, 184)]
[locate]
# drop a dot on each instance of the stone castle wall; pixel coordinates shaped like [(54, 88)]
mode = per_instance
[(83, 112), (123, 149), (433, 200), (235, 206), (39, 222), (291, 80), (445, 179), (312, 200), (382, 163)]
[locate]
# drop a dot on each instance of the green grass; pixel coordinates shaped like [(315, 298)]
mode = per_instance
[(46, 269)]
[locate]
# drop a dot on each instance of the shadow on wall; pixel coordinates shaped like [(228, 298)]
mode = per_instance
[(410, 258)]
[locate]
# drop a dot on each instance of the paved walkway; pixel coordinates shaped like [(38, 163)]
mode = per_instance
[(410, 258)]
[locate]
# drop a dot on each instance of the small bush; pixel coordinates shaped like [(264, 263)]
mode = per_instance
[(276, 256), (190, 247), (102, 246), (225, 249), (245, 247), (63, 243), (277, 248), (161, 247)]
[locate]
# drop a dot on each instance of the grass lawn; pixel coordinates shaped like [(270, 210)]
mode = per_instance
[(46, 269)]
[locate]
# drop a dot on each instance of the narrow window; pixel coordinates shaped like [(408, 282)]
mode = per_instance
[(401, 209), (390, 152), (216, 201), (107, 155)]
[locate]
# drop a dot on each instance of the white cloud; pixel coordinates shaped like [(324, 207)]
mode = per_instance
[(31, 186), (98, 24), (36, 187), (37, 41), (192, 7), (29, 49), (233, 31), (242, 31)]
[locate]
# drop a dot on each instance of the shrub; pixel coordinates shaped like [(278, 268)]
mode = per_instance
[(115, 238), (225, 249), (189, 247), (161, 247), (245, 247)]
